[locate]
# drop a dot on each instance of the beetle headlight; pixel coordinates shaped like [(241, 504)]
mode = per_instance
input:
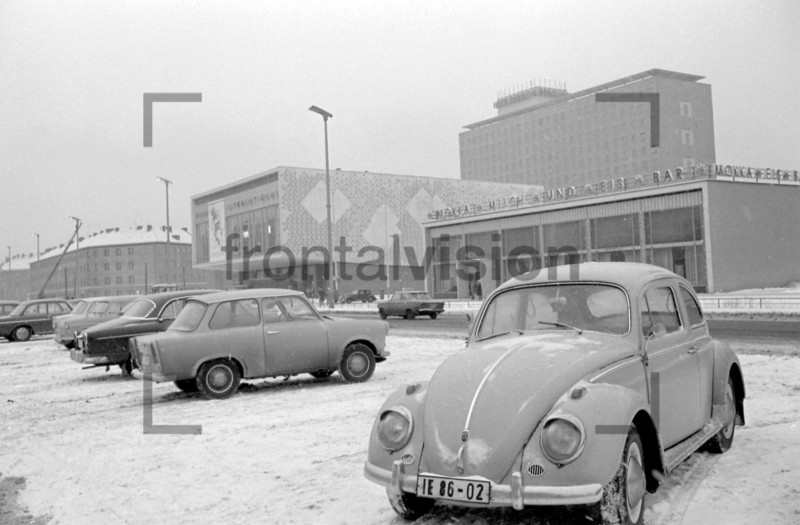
[(563, 438), (395, 428)]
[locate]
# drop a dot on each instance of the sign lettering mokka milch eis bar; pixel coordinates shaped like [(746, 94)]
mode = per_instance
[(621, 184)]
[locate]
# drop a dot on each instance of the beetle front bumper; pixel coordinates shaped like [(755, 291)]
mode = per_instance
[(515, 495)]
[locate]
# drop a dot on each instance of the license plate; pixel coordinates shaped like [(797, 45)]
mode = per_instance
[(454, 489)]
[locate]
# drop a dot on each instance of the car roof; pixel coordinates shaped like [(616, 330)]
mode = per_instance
[(632, 276), (166, 296), (45, 300), (247, 294), (8, 302)]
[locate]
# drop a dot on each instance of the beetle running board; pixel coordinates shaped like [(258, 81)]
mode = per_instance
[(675, 455)]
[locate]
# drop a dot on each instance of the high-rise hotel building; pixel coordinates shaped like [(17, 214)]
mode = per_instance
[(546, 136)]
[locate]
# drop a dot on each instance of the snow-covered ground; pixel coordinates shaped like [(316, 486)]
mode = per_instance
[(72, 449)]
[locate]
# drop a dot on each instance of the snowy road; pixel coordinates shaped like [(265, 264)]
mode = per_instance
[(73, 451)]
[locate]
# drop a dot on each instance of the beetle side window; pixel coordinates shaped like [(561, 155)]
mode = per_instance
[(658, 306), (692, 308)]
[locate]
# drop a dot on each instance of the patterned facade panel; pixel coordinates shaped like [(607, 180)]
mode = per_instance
[(379, 206)]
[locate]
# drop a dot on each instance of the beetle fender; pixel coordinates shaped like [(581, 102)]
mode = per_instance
[(726, 364), (606, 412), (411, 397)]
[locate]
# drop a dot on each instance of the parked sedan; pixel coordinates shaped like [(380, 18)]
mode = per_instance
[(584, 385), (218, 339), (7, 306), (88, 313), (410, 304), (32, 317), (106, 344)]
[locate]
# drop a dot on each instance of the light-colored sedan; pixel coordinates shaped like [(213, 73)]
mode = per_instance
[(90, 312), (582, 385), (220, 338)]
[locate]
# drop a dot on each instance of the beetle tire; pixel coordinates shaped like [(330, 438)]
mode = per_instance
[(186, 385), (358, 363), (410, 506), (218, 379), (410, 314), (382, 313), (615, 507), (723, 439), (21, 333)]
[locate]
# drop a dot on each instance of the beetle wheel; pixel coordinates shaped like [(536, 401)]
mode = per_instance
[(218, 379), (723, 439), (410, 506), (21, 333), (358, 363), (623, 497), (410, 314)]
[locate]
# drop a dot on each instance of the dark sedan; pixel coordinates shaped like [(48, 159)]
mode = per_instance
[(106, 344), (410, 304), (32, 317)]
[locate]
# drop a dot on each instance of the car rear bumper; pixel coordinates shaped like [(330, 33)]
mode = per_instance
[(515, 495), (80, 357)]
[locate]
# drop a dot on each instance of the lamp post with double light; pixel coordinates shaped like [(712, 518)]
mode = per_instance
[(325, 116)]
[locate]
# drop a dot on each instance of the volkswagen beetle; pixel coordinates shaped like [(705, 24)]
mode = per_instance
[(580, 385)]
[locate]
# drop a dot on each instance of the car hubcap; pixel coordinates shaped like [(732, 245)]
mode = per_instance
[(634, 482), (22, 333), (357, 364), (219, 378)]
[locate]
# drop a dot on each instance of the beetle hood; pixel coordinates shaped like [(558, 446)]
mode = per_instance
[(490, 397)]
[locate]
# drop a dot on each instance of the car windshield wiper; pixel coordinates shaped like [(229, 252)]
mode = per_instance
[(520, 332), (562, 325)]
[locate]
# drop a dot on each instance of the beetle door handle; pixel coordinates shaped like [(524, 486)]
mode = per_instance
[(272, 332), (692, 349)]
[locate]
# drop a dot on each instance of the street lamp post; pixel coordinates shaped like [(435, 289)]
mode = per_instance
[(9, 256), (325, 116), (37, 246), (77, 253), (166, 182)]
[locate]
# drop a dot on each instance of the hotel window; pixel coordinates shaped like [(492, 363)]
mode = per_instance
[(130, 265), (687, 137), (107, 266), (130, 251), (686, 109), (119, 266), (119, 279)]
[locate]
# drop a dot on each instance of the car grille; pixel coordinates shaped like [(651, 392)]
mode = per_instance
[(535, 470)]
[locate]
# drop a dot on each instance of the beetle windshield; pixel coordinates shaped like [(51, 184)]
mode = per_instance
[(189, 318), (139, 308), (580, 306)]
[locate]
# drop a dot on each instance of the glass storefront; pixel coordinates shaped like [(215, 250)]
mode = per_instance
[(666, 231)]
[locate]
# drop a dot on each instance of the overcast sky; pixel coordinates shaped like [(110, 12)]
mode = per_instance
[(402, 79)]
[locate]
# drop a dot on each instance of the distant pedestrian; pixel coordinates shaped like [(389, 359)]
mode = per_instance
[(479, 290)]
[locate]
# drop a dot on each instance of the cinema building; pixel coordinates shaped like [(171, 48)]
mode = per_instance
[(271, 229), (722, 227)]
